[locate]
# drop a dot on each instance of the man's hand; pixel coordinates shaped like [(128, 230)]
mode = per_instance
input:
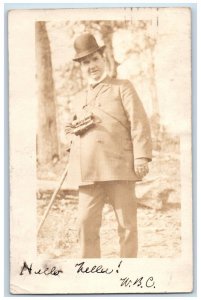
[(141, 167)]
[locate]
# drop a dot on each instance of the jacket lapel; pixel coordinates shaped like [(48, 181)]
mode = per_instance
[(100, 89)]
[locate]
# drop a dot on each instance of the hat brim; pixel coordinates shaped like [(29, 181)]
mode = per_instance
[(80, 56)]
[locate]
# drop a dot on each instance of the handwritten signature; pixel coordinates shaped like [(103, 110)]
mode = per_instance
[(140, 282)]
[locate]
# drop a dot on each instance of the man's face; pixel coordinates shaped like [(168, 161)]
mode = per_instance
[(93, 66)]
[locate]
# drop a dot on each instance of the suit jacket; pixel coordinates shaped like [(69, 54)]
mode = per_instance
[(121, 134)]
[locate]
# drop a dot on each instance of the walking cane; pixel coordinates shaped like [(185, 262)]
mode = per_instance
[(53, 198)]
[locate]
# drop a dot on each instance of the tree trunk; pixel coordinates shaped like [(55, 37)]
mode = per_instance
[(107, 33), (47, 140)]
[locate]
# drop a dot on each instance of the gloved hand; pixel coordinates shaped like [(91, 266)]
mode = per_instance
[(141, 167)]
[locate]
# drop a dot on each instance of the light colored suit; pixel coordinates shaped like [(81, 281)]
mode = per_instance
[(101, 162), (122, 134)]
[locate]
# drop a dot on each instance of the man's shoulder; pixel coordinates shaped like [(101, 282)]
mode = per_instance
[(120, 82)]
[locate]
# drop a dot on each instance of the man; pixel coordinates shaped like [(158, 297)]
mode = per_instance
[(110, 154)]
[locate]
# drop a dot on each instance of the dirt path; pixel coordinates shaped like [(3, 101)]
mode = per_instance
[(159, 218), (158, 232)]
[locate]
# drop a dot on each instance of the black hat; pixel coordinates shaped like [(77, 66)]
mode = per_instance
[(84, 45)]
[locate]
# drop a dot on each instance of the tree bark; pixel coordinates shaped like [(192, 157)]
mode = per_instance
[(107, 33), (47, 140)]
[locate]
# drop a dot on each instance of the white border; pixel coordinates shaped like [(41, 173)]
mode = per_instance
[(198, 105)]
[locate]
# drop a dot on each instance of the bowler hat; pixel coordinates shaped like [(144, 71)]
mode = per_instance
[(84, 45)]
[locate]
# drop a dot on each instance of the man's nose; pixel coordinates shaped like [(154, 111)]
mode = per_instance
[(92, 64)]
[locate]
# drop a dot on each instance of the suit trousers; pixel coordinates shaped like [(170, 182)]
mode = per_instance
[(121, 195)]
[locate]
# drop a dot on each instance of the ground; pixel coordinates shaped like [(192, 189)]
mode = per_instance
[(159, 216)]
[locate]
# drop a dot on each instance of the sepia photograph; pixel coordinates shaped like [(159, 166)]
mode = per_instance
[(114, 138), (100, 150)]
